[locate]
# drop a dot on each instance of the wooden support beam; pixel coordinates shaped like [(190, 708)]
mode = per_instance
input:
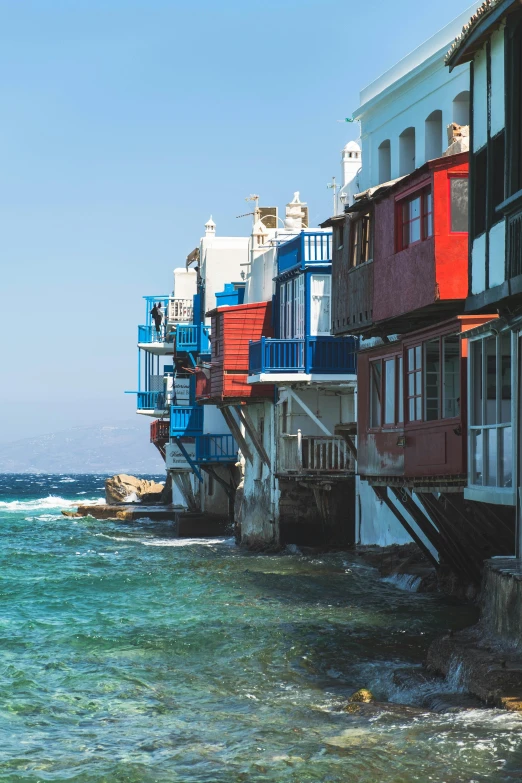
[(182, 481), (248, 424), (422, 520), (235, 429), (309, 412), (382, 494)]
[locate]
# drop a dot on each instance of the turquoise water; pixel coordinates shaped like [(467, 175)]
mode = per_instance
[(128, 655)]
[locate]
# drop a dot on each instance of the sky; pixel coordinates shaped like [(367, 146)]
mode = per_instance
[(123, 125)]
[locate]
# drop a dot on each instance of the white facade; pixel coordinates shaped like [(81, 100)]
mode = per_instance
[(222, 260), (404, 114), (185, 283)]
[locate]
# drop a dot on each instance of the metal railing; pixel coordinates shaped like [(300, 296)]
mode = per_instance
[(335, 355), (186, 420), (154, 400), (216, 448), (314, 454), (307, 247), (193, 337)]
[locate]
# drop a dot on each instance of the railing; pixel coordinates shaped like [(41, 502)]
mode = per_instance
[(159, 431), (193, 337), (216, 448), (307, 248), (335, 355), (149, 334), (186, 420), (180, 311), (309, 454), (153, 400)]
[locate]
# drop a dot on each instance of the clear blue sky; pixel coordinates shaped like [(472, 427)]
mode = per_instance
[(123, 125)]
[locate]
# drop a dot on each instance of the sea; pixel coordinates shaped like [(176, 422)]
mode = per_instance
[(130, 656)]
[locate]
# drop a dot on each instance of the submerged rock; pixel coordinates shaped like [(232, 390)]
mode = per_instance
[(363, 696), (122, 489)]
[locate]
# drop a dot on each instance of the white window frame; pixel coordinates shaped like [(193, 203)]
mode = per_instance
[(327, 296), (486, 492)]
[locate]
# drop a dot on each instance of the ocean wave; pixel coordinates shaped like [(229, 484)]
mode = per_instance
[(189, 542), (50, 502)]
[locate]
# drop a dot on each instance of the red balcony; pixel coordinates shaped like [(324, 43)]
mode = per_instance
[(405, 262), (231, 332), (159, 434)]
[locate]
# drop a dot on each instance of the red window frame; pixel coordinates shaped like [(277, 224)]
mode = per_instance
[(382, 391), (425, 217)]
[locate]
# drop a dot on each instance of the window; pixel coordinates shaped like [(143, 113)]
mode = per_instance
[(386, 392), (384, 161), (491, 447), (432, 380), (459, 203), (375, 393), (320, 295), (361, 240), (340, 236), (480, 164), (414, 381), (415, 218), (389, 391), (291, 308), (451, 376)]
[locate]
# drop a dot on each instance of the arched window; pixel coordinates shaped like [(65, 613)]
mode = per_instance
[(461, 108), (433, 135), (407, 151), (385, 161)]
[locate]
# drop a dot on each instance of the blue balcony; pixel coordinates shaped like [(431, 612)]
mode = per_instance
[(327, 355), (216, 448), (186, 420), (151, 401), (307, 248), (193, 338)]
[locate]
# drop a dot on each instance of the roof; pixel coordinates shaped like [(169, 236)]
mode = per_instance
[(236, 308), (474, 31)]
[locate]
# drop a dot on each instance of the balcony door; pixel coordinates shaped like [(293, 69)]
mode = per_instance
[(320, 305)]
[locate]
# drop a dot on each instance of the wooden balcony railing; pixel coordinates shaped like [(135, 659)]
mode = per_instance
[(308, 454)]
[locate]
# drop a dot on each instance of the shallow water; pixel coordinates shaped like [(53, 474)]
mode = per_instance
[(129, 656)]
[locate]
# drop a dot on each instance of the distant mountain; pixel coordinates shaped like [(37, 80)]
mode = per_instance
[(112, 448)]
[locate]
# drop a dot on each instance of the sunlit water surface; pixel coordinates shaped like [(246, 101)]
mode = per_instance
[(128, 655)]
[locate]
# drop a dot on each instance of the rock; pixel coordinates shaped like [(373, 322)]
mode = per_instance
[(363, 695), (122, 489)]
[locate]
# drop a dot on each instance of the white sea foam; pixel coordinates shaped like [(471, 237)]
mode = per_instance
[(68, 480), (407, 582), (50, 502), (177, 542)]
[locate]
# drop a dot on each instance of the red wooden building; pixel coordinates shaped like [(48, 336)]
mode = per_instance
[(232, 329), (412, 422), (400, 260)]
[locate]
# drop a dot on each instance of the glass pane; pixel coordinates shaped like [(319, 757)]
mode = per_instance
[(411, 410), (505, 377), (418, 357), (477, 458), (400, 408), (492, 457), (375, 394), (418, 408), (418, 383), (415, 208), (506, 457), (431, 380), (415, 230), (389, 406), (476, 382), (428, 214), (459, 203), (411, 384), (411, 359), (451, 387), (491, 380)]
